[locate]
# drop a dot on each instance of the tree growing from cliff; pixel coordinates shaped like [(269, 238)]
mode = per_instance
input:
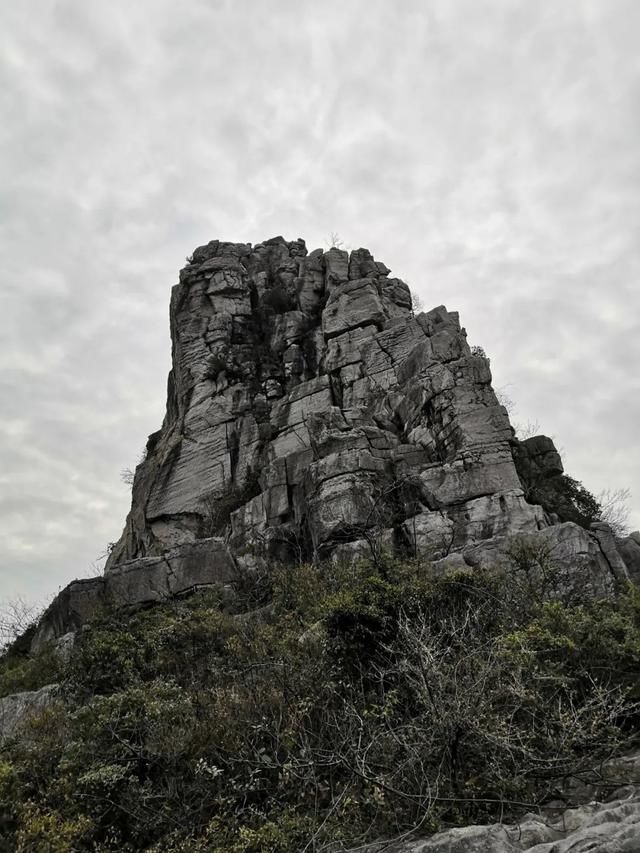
[(335, 241)]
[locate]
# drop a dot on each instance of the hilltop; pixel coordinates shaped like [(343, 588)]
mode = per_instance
[(348, 603)]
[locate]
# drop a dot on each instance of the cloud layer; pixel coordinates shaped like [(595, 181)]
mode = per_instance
[(486, 150)]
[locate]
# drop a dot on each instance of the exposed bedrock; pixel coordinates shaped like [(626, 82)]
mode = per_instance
[(610, 824), (311, 414), (147, 580), (308, 406)]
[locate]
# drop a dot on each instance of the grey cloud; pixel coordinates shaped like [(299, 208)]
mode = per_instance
[(484, 150)]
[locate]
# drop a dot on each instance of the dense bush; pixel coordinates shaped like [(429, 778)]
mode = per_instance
[(361, 702), (567, 498), (21, 671), (279, 300)]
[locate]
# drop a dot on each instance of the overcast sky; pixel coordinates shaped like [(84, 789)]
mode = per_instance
[(486, 150)]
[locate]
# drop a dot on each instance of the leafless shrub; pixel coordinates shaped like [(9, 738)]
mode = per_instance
[(127, 475), (528, 430), (451, 673), (614, 510), (505, 400), (16, 617), (335, 241), (390, 503), (417, 305)]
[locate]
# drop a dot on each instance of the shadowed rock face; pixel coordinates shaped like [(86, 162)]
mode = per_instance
[(309, 410), (311, 414)]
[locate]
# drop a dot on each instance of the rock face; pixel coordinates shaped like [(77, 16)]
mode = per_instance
[(308, 407), (136, 582), (17, 708), (309, 410), (629, 549), (311, 414)]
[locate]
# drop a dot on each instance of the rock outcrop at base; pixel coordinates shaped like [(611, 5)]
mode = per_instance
[(311, 414), (606, 819), (16, 709), (147, 580), (597, 828)]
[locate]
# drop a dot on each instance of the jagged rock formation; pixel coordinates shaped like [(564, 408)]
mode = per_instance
[(310, 413)]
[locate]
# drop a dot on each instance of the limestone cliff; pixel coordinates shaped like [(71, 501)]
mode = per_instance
[(308, 406), (312, 414)]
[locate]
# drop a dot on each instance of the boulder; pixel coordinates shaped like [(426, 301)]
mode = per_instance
[(142, 581), (629, 549)]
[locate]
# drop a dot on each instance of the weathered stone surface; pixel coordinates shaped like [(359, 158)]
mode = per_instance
[(598, 828), (158, 578), (19, 707), (310, 412), (583, 570), (607, 542), (136, 582), (629, 549), (352, 306), (76, 604), (536, 458), (612, 827), (430, 534)]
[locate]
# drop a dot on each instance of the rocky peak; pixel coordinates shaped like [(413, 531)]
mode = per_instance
[(309, 407), (312, 414)]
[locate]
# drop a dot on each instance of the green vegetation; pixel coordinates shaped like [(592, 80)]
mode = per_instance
[(279, 300), (354, 703), (22, 671), (567, 498)]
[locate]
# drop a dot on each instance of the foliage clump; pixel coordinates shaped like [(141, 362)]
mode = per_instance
[(568, 499), (358, 702)]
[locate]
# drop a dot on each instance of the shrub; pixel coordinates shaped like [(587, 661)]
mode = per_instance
[(20, 670), (566, 497), (278, 300), (615, 510), (363, 702), (50, 831)]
